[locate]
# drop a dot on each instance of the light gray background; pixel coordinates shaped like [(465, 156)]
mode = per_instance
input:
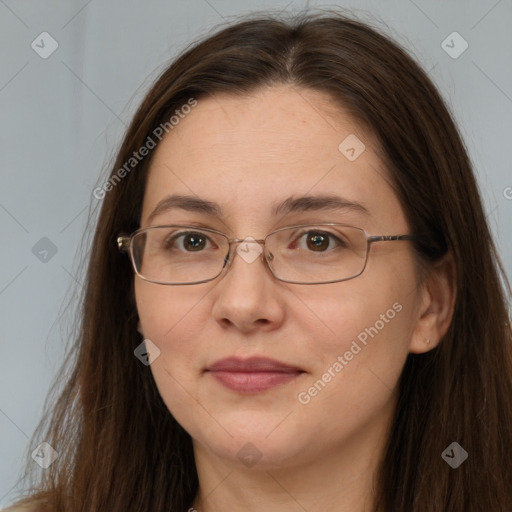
[(62, 119)]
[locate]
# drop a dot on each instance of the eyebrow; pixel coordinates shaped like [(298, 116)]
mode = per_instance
[(306, 203)]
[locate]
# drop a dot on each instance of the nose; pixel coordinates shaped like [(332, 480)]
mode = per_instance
[(247, 296)]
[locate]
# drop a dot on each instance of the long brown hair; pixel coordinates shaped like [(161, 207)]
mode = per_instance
[(120, 448)]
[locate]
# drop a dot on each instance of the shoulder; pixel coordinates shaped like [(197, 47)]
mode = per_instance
[(27, 507)]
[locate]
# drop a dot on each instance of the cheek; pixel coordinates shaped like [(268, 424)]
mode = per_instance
[(358, 335), (358, 364), (167, 313), (353, 311), (173, 320)]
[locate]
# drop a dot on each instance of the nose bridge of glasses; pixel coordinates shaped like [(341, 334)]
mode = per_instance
[(247, 254), (234, 242), (248, 239)]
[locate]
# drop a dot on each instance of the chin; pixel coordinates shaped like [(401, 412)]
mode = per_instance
[(256, 454), (252, 443)]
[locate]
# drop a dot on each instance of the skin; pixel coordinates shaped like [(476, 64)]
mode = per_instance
[(247, 153)]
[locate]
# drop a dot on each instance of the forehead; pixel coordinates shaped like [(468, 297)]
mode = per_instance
[(272, 122), (248, 152)]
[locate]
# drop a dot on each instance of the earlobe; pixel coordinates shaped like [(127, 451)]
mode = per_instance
[(437, 303), (139, 328)]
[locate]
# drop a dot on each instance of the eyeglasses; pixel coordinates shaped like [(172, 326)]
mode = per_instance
[(303, 254)]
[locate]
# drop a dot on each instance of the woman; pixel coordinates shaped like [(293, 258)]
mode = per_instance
[(293, 299)]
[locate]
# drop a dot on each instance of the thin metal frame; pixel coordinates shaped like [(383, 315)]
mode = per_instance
[(125, 244)]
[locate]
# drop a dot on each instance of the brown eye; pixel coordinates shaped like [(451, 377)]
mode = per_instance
[(190, 241), (317, 242), (194, 241)]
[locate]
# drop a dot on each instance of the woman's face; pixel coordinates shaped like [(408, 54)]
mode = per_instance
[(349, 339)]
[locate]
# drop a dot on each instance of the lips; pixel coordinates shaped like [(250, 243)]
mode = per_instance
[(252, 364), (252, 375)]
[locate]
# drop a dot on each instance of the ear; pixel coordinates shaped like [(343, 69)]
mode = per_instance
[(435, 306), (139, 328)]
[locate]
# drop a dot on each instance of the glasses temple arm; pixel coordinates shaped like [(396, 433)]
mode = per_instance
[(390, 238)]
